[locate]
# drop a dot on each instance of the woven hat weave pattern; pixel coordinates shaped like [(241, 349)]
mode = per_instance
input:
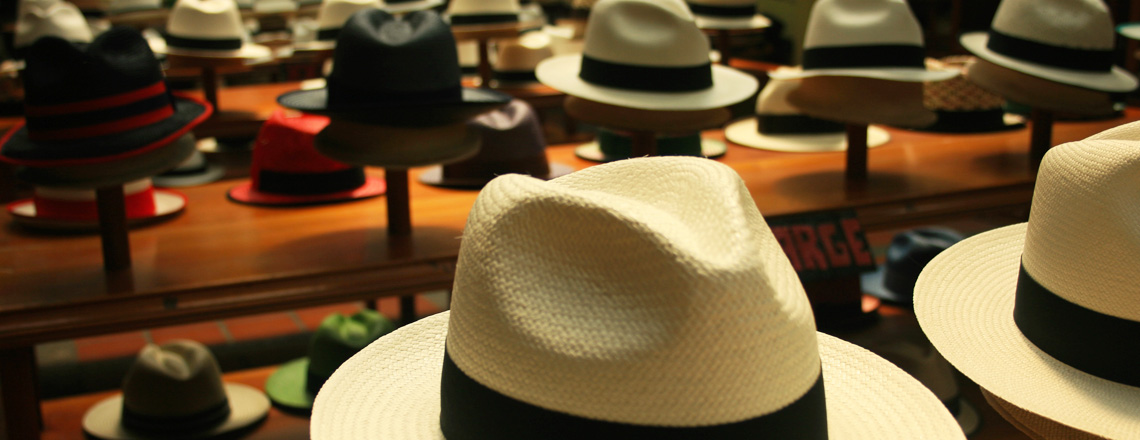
[(1043, 314), (643, 298)]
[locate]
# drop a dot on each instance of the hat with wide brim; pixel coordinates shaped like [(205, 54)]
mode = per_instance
[(397, 147), (473, 102), (167, 204), (1116, 80), (95, 175), (286, 386), (248, 406), (390, 390), (246, 193), (744, 132), (1033, 425), (1038, 92)]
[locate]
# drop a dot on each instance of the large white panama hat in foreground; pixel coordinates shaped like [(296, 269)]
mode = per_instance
[(649, 55), (1046, 314), (877, 39), (1067, 41), (643, 298)]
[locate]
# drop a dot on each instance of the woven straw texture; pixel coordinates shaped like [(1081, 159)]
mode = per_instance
[(1081, 242), (1033, 425), (646, 291), (958, 93)]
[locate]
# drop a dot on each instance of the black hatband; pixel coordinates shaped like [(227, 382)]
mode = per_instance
[(202, 43), (646, 78), (796, 124), (1087, 60), (281, 182), (871, 56), (199, 421), (723, 11)]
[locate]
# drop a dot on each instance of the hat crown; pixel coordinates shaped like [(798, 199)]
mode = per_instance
[(1083, 234), (698, 320), (773, 98), (339, 337), (285, 144), (1080, 24), (334, 13), (175, 379), (60, 19), (862, 23), (206, 19), (117, 61), (645, 33), (378, 52)]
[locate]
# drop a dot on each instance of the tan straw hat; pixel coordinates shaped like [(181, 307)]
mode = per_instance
[(643, 298), (1045, 314)]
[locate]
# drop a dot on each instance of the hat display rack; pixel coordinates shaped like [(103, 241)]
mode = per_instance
[(1065, 47), (643, 89), (872, 55), (385, 115), (485, 20)]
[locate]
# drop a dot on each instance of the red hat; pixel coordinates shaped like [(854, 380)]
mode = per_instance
[(75, 209)]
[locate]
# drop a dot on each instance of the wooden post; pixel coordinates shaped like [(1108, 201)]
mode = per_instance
[(113, 228), (210, 86), (400, 226), (724, 46), (856, 153), (485, 70), (1041, 139), (643, 143)]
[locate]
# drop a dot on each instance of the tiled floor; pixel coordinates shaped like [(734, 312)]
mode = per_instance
[(236, 342)]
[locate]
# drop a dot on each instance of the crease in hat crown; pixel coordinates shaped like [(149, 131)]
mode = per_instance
[(598, 295), (1067, 41)]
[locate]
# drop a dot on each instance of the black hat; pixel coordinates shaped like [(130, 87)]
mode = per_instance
[(907, 255), (397, 71), (95, 103)]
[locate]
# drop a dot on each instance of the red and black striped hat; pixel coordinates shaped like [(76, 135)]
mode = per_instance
[(96, 103)]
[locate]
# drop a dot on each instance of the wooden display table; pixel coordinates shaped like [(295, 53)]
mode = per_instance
[(220, 259)]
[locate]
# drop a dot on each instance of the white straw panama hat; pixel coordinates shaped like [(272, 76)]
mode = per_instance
[(877, 39), (728, 14), (778, 126), (175, 390), (210, 28), (646, 54), (1067, 41), (1046, 314), (331, 18), (643, 298)]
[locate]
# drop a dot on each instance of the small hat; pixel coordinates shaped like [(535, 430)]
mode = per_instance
[(610, 145), (287, 169), (516, 58), (878, 39), (907, 254), (175, 390), (779, 126), (1044, 314), (75, 209), (330, 19), (57, 19), (644, 298), (1067, 41), (962, 106), (512, 144), (103, 102), (397, 71), (1037, 92), (646, 54), (210, 28), (727, 14), (193, 171), (294, 384), (862, 100)]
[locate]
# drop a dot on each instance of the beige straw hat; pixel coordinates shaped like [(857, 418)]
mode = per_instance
[(643, 298), (1068, 350)]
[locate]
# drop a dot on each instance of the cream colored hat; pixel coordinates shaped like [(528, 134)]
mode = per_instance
[(643, 298), (778, 126), (209, 28), (1045, 314), (646, 54), (175, 391), (1067, 41), (331, 17), (727, 14), (466, 12), (878, 39), (59, 19), (517, 57)]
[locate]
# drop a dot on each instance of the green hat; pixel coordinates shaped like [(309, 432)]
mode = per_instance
[(294, 385)]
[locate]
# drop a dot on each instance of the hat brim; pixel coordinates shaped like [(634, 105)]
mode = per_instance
[(434, 176), (1009, 121), (904, 74), (745, 133), (18, 148), (247, 194), (248, 51), (964, 301), (128, 169), (592, 151), (247, 407), (390, 390), (1129, 30), (730, 86), (286, 386), (167, 204), (1115, 80), (399, 148), (743, 23), (473, 102)]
